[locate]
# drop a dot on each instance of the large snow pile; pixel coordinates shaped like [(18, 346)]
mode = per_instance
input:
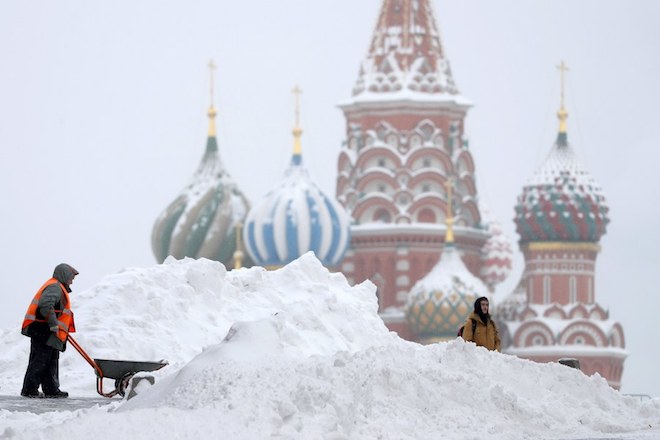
[(298, 353)]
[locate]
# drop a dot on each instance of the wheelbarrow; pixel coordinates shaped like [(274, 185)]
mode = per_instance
[(121, 371)]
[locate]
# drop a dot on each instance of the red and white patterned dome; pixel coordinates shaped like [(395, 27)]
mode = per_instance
[(497, 253), (562, 201)]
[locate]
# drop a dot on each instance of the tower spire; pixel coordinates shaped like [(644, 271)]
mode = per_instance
[(405, 53), (297, 131), (212, 112), (562, 114), (449, 235)]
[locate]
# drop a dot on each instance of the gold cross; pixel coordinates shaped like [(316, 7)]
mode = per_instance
[(297, 92), (212, 67), (562, 68)]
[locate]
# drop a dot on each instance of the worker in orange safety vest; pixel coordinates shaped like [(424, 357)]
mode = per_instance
[(48, 322)]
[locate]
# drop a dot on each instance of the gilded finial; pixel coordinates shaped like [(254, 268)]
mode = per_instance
[(238, 253), (449, 235), (297, 131), (212, 112), (562, 114), (212, 67)]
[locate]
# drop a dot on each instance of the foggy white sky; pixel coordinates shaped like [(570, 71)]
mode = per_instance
[(103, 121)]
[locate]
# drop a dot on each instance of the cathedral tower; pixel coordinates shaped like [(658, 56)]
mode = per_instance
[(404, 141), (560, 217)]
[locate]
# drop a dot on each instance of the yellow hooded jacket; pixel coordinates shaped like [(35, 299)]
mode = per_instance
[(485, 335)]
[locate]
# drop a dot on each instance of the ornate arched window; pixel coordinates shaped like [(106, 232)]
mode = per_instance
[(383, 216), (426, 215)]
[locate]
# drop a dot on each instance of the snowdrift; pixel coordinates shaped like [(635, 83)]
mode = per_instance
[(298, 353)]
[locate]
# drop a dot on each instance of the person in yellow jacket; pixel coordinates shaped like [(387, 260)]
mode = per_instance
[(48, 322), (485, 331)]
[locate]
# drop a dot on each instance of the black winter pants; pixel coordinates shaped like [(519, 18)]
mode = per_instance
[(43, 368)]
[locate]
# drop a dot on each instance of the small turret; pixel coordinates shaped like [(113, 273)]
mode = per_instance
[(441, 301)]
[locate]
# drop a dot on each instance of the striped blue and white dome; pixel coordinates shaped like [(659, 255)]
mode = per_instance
[(295, 218)]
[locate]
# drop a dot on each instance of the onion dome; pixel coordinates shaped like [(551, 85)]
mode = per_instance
[(497, 253), (296, 217), (439, 303), (561, 202), (203, 220)]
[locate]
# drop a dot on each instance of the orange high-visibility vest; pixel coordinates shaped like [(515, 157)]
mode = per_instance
[(64, 316)]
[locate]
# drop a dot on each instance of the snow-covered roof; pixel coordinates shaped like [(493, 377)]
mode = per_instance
[(406, 98), (405, 60), (375, 228), (445, 274)]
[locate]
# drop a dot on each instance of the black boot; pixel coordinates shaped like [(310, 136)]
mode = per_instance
[(32, 394), (57, 395)]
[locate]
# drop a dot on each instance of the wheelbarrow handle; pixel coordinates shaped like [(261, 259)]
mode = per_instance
[(85, 356)]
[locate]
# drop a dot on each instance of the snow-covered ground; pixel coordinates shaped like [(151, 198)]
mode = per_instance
[(298, 353)]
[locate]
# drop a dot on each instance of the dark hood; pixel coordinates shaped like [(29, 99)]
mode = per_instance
[(64, 274), (477, 309)]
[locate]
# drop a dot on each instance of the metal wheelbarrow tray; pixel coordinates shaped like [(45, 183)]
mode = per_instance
[(121, 371)]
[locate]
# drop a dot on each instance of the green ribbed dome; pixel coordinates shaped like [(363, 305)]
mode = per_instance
[(202, 221), (439, 303), (439, 316)]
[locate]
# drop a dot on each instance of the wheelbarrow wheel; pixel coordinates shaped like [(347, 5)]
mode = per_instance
[(121, 384)]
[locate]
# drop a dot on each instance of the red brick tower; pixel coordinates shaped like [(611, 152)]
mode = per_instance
[(404, 140), (560, 217)]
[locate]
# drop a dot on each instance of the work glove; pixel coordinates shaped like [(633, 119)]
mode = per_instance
[(54, 329)]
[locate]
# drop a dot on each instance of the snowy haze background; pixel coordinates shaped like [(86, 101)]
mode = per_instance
[(103, 121)]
